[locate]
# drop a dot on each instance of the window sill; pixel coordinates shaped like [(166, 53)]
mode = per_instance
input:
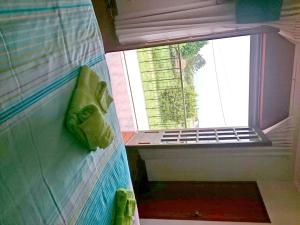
[(199, 138)]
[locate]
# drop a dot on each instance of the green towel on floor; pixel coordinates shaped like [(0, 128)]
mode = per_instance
[(85, 116), (255, 11), (124, 208)]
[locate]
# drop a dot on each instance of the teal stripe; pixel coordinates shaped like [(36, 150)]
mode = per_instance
[(52, 24), (13, 110), (28, 24), (48, 34), (42, 9), (99, 206), (21, 50), (23, 66)]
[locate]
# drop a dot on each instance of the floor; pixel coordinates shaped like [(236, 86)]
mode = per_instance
[(218, 201), (282, 201)]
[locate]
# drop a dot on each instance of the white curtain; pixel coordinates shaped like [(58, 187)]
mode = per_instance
[(205, 17)]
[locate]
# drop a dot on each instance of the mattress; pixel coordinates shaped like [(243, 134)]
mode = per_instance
[(46, 176)]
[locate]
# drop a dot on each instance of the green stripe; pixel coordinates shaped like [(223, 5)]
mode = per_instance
[(13, 110), (42, 9)]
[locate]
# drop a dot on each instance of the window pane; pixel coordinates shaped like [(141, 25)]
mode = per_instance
[(222, 84), (195, 84)]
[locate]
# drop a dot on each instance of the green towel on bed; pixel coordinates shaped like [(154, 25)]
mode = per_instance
[(104, 98), (255, 11), (85, 116), (124, 208)]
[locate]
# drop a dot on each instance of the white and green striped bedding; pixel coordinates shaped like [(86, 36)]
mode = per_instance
[(46, 177)]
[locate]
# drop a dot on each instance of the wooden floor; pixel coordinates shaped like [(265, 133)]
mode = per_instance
[(282, 200), (212, 201)]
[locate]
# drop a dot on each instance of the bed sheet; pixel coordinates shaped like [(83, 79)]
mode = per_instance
[(46, 176)]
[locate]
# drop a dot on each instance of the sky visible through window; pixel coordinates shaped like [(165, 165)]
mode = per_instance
[(222, 84)]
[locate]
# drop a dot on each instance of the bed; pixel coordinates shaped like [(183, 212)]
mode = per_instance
[(46, 176)]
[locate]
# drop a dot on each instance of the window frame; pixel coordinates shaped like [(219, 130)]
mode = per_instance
[(153, 138), (255, 69), (255, 81)]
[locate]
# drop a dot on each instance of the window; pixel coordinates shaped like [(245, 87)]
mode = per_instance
[(217, 85), (198, 84)]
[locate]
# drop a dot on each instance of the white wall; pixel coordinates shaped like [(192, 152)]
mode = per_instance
[(295, 109), (221, 164), (297, 164)]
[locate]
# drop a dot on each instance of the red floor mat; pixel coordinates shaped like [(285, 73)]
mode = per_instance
[(215, 201)]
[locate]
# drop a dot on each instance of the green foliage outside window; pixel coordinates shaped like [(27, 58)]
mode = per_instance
[(162, 85), (172, 105)]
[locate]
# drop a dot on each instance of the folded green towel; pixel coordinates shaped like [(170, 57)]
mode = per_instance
[(255, 11), (124, 208), (104, 98), (85, 116)]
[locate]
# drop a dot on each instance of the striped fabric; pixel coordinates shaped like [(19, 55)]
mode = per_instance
[(46, 176)]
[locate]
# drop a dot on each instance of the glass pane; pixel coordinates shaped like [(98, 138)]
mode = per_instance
[(193, 84), (222, 83)]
